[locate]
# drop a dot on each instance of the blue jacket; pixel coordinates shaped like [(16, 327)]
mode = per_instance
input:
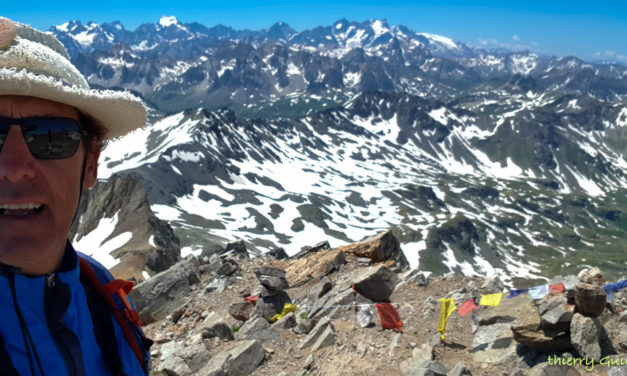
[(55, 312)]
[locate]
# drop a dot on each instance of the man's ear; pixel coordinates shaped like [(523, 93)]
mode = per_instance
[(91, 166)]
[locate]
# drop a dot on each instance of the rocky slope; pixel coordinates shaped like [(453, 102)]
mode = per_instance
[(214, 327)]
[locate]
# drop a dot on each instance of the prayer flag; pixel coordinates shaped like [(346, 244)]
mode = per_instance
[(287, 308), (513, 293), (611, 288), (467, 307), (447, 307), (389, 316), (252, 298), (539, 292), (557, 288), (491, 299)]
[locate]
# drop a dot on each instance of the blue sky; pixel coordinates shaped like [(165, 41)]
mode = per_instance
[(592, 31)]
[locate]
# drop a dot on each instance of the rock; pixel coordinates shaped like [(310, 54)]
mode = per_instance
[(416, 277), (459, 369), (375, 283), (237, 247), (555, 312), (585, 334), (321, 288), (259, 329), (326, 338), (268, 306), (381, 247), (592, 276), (589, 299), (570, 282), (545, 369), (314, 267), (220, 330), (286, 322), (271, 278), (228, 267), (617, 365), (241, 360), (315, 333), (183, 359), (242, 310), (427, 368), (217, 284), (159, 296), (419, 356), (278, 253), (493, 284), (528, 331)]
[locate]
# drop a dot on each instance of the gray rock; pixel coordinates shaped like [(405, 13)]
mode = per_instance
[(556, 312), (416, 277), (326, 338), (271, 278), (375, 283), (315, 333), (427, 368), (228, 267), (220, 330), (585, 335), (589, 299), (237, 247), (268, 306), (493, 284), (241, 360), (259, 329), (617, 365), (286, 322), (217, 285), (159, 296), (592, 276), (528, 330), (321, 288), (459, 369), (278, 253)]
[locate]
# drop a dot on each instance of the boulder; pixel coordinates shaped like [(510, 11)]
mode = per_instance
[(242, 310), (165, 292), (529, 331), (315, 333), (259, 329), (240, 360), (592, 276), (220, 330), (590, 299), (278, 253), (227, 267), (268, 306), (555, 312), (314, 267), (236, 247), (381, 247), (493, 284), (459, 369), (271, 278), (375, 283), (586, 333), (427, 368)]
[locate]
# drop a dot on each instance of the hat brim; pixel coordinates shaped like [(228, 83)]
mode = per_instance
[(119, 112)]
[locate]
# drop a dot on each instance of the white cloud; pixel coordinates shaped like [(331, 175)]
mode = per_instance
[(610, 55), (493, 43), (516, 37)]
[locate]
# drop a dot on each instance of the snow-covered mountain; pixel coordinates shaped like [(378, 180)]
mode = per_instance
[(480, 162)]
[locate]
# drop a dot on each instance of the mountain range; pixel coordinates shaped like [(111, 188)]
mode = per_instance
[(481, 162)]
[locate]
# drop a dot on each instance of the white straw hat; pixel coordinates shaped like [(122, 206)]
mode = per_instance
[(36, 64)]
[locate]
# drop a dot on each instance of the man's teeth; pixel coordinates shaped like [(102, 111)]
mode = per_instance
[(26, 206)]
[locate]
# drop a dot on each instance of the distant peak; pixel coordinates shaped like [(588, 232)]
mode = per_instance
[(166, 21)]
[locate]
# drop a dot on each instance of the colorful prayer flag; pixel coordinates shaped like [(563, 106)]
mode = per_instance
[(252, 298), (492, 300), (513, 293), (389, 316), (539, 292), (447, 307), (557, 287), (467, 307), (611, 288), (287, 308)]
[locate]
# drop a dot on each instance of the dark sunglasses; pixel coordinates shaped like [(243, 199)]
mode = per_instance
[(46, 137)]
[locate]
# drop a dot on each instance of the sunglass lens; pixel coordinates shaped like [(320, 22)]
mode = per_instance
[(52, 138)]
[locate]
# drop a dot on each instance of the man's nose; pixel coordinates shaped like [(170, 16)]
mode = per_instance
[(16, 161)]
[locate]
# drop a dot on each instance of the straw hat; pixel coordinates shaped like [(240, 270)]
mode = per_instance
[(36, 64)]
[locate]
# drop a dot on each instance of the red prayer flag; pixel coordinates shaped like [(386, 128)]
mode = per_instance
[(252, 298), (557, 288), (467, 307), (389, 316)]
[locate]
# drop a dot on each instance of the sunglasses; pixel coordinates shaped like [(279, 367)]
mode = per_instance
[(46, 137)]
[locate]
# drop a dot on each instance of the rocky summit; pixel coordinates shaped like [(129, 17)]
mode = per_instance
[(322, 313)]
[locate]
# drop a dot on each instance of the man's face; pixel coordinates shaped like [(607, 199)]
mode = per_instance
[(34, 239)]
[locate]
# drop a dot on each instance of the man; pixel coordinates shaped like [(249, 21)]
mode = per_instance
[(52, 127)]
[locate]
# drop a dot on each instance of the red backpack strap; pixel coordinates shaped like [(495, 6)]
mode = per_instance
[(106, 292)]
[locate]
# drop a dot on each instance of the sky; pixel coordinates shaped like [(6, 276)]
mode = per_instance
[(593, 31)]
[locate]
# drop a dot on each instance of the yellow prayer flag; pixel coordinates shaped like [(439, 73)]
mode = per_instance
[(491, 299), (287, 308), (447, 307)]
